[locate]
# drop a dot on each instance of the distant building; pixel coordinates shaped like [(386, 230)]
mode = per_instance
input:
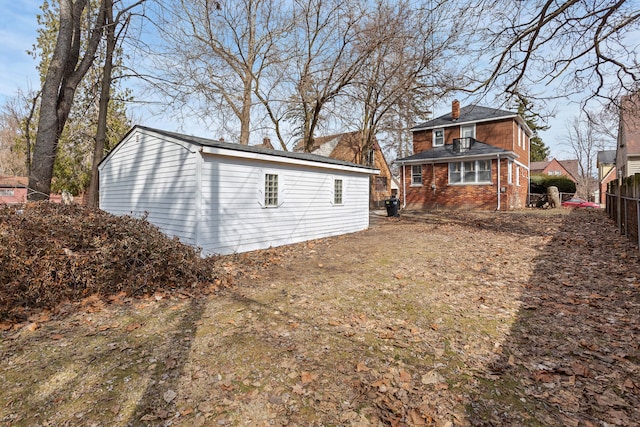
[(628, 150), (606, 163), (554, 167)]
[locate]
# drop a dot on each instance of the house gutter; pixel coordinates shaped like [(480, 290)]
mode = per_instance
[(404, 188)]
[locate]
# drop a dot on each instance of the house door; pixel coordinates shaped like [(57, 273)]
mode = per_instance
[(468, 131)]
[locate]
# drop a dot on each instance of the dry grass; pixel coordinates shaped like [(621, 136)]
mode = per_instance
[(419, 321)]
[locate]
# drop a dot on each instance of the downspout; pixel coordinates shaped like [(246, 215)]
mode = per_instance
[(498, 183), (404, 189)]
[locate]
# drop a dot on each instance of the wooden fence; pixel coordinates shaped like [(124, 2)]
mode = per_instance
[(623, 206)]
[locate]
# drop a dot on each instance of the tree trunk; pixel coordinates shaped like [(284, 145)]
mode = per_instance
[(65, 72), (103, 108)]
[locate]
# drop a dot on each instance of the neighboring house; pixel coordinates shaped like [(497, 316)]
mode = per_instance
[(472, 158), (554, 167), (628, 150), (348, 147), (227, 198), (607, 172), (13, 189)]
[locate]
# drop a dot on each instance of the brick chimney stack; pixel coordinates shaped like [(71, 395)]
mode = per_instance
[(455, 110)]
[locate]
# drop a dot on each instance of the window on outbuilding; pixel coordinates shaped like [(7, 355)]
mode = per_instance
[(6, 193), (271, 190), (337, 191), (416, 175)]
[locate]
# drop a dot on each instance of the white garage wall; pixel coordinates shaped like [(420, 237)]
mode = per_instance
[(152, 176), (237, 221)]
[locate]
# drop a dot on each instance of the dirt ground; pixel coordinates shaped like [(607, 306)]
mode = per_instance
[(441, 319)]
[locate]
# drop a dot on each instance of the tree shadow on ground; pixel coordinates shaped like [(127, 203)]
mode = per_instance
[(572, 356)]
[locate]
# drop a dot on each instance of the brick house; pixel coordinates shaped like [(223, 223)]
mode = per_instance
[(471, 158), (554, 167), (348, 147), (628, 148), (607, 172), (13, 189)]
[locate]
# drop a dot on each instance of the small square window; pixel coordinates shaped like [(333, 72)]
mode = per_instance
[(271, 190), (337, 191)]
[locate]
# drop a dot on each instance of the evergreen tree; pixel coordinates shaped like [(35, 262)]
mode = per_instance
[(539, 151)]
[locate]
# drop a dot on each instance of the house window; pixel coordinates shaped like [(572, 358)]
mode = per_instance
[(271, 189), (6, 193), (438, 137), (473, 172), (510, 172), (416, 175), (380, 183), (519, 135), (337, 192), (518, 175), (468, 131)]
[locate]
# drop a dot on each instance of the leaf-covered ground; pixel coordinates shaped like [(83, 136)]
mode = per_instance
[(446, 319)]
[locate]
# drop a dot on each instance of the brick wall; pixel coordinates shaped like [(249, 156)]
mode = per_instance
[(475, 196)]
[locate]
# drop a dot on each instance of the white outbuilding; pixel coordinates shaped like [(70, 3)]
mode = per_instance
[(226, 198)]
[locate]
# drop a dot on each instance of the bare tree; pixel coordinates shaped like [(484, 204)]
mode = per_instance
[(329, 57), (584, 141), (581, 46), (217, 53), (114, 30), (406, 66), (72, 57)]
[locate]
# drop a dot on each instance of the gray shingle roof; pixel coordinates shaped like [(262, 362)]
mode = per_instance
[(446, 153), (468, 114), (607, 157), (250, 148)]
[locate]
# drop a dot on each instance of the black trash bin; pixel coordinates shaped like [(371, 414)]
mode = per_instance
[(393, 207)]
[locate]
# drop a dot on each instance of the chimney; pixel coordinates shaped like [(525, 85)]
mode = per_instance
[(455, 110)]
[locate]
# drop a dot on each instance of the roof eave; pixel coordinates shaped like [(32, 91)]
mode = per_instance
[(505, 154)]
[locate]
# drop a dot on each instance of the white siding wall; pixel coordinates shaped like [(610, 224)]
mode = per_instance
[(151, 175), (234, 219)]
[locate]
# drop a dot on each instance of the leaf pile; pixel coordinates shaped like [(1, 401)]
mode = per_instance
[(50, 253)]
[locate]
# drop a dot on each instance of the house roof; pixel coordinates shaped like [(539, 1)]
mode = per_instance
[(470, 114), (445, 153), (538, 166), (343, 146), (14, 181), (572, 167), (205, 142), (606, 157)]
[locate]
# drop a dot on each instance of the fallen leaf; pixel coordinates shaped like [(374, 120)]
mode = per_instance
[(169, 395), (307, 377), (362, 367)]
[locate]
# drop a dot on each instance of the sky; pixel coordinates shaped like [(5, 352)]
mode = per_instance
[(18, 26)]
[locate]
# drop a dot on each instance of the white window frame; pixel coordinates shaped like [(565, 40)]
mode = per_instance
[(465, 171), (414, 181), (510, 172), (338, 191), (436, 138), (7, 192), (271, 190), (518, 176), (471, 127)]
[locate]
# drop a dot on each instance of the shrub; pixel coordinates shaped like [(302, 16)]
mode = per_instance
[(540, 183)]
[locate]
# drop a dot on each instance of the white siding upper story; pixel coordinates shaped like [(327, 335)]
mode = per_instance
[(212, 195)]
